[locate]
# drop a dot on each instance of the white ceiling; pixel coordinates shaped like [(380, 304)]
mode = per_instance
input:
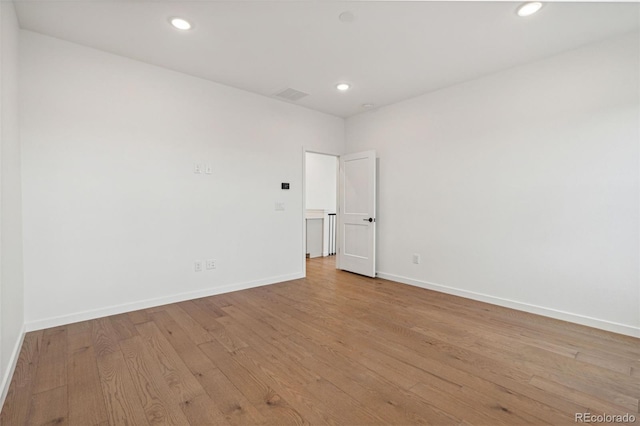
[(391, 51)]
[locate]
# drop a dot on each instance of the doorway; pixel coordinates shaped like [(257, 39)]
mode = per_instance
[(321, 206)]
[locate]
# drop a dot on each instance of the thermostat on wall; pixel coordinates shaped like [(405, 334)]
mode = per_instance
[(285, 185)]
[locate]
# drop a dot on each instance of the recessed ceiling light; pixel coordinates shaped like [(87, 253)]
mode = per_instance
[(343, 86), (180, 23), (529, 8)]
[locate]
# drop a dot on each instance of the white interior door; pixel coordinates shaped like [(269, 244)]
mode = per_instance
[(357, 215)]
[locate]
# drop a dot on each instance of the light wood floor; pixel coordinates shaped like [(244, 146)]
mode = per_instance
[(332, 348)]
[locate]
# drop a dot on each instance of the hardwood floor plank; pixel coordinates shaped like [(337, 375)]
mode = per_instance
[(78, 327), (123, 326), (256, 313), (392, 378), (458, 404), (408, 355), (194, 359), (16, 406), (615, 364), (333, 348), (138, 317), (272, 351), (530, 359), (294, 378), (386, 398), (170, 366), (592, 403), (346, 374), (200, 410), (615, 381), (120, 396), (282, 393), (105, 338), (215, 304), (200, 313), (257, 388), (206, 305), (194, 400), (194, 330), (235, 407), (80, 339), (155, 309), (52, 363), (86, 402), (231, 341), (155, 396), (49, 407)]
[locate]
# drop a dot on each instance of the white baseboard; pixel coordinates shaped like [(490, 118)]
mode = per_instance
[(149, 303), (11, 367), (526, 307)]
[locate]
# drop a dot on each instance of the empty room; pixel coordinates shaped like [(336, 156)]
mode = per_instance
[(319, 212)]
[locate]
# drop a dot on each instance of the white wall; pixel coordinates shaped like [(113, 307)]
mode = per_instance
[(114, 216), (321, 185), (11, 279), (520, 188), (321, 188)]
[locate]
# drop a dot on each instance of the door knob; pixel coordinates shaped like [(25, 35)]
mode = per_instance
[(368, 220)]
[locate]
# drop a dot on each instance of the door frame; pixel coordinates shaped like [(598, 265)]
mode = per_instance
[(304, 201)]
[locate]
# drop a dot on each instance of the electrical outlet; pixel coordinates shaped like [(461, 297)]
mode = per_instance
[(279, 206), (416, 258), (211, 264), (197, 168), (197, 266)]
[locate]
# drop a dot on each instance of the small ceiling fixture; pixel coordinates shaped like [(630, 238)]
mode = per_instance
[(367, 106), (180, 23), (528, 9), (343, 86), (347, 17)]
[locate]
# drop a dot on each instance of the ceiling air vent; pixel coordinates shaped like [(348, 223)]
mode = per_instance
[(291, 94)]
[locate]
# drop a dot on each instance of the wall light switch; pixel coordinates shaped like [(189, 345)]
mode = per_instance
[(279, 206), (208, 169), (416, 258), (211, 264)]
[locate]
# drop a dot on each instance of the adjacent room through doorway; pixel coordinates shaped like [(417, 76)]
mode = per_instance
[(321, 174)]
